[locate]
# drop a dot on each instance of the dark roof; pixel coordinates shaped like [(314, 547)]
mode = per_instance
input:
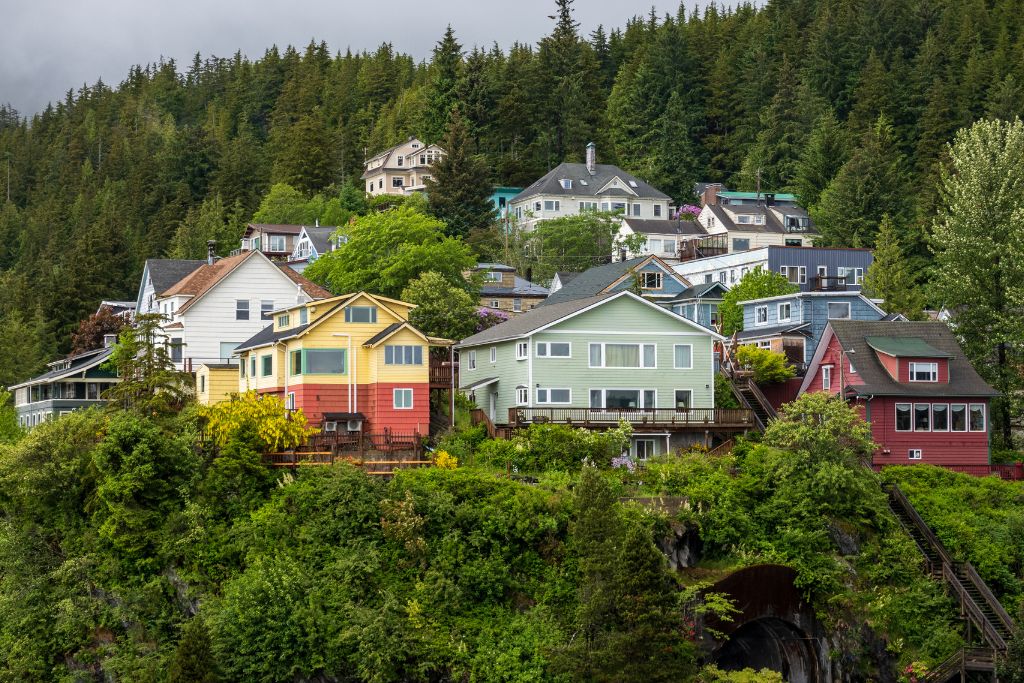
[(312, 289), (493, 266), (268, 336), (531, 320), (320, 237), (565, 277), (164, 273), (592, 281), (654, 226), (603, 173), (78, 363), (522, 287), (273, 228), (758, 332), (384, 334), (772, 224), (853, 336), (906, 347), (698, 291)]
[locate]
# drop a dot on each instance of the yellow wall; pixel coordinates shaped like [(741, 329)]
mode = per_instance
[(220, 383)]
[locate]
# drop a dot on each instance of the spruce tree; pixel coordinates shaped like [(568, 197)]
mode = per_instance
[(459, 190), (826, 151), (441, 95), (890, 277), (776, 151)]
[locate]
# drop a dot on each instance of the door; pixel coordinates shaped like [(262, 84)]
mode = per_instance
[(491, 406)]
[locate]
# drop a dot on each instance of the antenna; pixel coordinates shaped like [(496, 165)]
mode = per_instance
[(759, 186)]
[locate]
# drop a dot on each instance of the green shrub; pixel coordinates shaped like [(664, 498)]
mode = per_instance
[(768, 366)]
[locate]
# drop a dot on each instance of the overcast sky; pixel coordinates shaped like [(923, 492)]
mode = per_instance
[(49, 46)]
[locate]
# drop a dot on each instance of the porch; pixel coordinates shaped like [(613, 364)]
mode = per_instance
[(669, 419)]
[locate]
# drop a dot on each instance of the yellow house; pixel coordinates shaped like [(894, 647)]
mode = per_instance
[(215, 382), (351, 359)]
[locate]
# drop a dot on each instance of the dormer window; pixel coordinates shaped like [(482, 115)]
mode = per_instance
[(924, 372), (492, 276), (401, 161), (566, 184)]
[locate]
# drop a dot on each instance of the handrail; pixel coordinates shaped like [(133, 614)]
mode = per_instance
[(653, 417), (761, 398), (478, 417), (990, 599), (896, 494), (983, 659), (967, 603)]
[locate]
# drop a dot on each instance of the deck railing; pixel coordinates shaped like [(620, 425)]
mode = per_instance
[(650, 417), (441, 374)]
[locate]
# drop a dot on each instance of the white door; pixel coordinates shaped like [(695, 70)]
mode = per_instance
[(491, 406)]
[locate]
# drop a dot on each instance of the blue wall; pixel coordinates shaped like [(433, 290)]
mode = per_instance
[(670, 286), (812, 257)]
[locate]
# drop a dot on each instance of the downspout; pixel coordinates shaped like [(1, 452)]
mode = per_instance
[(284, 370)]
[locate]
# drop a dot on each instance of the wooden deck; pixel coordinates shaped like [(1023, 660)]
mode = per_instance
[(668, 419)]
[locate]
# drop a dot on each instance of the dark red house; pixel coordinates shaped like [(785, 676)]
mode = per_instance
[(913, 383)]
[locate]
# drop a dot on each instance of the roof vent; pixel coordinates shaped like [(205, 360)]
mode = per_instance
[(584, 182)]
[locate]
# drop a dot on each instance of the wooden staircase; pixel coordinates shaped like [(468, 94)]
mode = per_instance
[(983, 613), (748, 394)]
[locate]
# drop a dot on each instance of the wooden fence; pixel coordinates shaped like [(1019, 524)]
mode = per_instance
[(378, 453)]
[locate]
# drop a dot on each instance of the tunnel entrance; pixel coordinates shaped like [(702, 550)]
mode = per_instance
[(771, 643)]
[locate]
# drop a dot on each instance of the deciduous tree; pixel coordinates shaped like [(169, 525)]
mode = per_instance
[(756, 284)]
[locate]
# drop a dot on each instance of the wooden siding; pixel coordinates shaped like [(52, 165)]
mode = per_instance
[(831, 356), (220, 383), (937, 448)]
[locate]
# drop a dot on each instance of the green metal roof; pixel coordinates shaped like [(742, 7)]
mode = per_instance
[(906, 346), (779, 196)]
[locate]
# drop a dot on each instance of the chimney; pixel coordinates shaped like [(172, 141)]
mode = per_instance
[(710, 195), (591, 158), (529, 273), (211, 248), (622, 254)]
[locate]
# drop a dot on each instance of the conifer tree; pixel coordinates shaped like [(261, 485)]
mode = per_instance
[(775, 152), (826, 151), (209, 221), (890, 277), (459, 190), (442, 95)]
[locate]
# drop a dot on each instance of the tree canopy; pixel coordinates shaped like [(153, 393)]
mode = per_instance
[(756, 284)]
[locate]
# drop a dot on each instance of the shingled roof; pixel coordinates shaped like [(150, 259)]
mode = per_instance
[(587, 184), (164, 273), (854, 336), (531, 320), (656, 226)]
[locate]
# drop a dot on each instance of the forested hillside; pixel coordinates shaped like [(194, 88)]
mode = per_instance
[(847, 102)]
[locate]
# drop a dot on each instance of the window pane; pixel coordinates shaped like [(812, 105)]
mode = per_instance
[(649, 398), (296, 362), (560, 395), (325, 361), (977, 417), (903, 417), (683, 399), (684, 355), (389, 355), (922, 417), (542, 396), (958, 417), (542, 349), (361, 314), (622, 398), (839, 311), (940, 417), (595, 398), (559, 349)]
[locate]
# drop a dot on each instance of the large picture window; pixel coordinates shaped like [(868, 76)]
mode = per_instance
[(554, 349), (324, 361), (546, 396), (623, 356), (403, 355), (839, 310), (622, 399)]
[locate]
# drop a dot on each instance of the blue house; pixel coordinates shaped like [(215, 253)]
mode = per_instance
[(648, 276), (69, 384), (699, 303), (812, 269), (794, 323), (501, 196)]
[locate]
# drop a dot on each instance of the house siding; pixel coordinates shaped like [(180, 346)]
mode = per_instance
[(937, 448)]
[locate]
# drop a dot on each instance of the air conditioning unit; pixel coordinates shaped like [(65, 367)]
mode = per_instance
[(355, 425), (330, 426)]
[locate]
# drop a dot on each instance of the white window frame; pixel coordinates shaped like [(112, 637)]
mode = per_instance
[(858, 276), (913, 417), (290, 401), (494, 354), (522, 350), (764, 344), (555, 204), (522, 396), (653, 447), (801, 274), (934, 373), (603, 364), (517, 305), (789, 311), (545, 349), (402, 391), (674, 357), (826, 377), (675, 401), (967, 418), (914, 454), (757, 310), (946, 405), (984, 418), (472, 360), (642, 394), (822, 271), (828, 309), (896, 418), (548, 401), (659, 279)]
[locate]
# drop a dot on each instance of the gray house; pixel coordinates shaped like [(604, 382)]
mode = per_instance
[(70, 384), (594, 361), (813, 269)]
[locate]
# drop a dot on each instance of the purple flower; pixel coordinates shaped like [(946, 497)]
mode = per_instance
[(624, 461), (688, 210)]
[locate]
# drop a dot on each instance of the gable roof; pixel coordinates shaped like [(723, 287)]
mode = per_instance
[(853, 335), (905, 347), (522, 287), (850, 294), (78, 363), (164, 273), (699, 291), (587, 184), (598, 279), (537, 319), (312, 289), (320, 236), (659, 226), (273, 228)]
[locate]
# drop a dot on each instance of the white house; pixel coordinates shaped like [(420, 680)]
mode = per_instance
[(747, 220), (219, 303), (570, 189), (313, 242), (401, 169), (665, 238)]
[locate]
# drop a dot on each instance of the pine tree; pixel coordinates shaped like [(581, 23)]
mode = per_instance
[(442, 96), (210, 221), (872, 183), (890, 277), (776, 150), (979, 258), (826, 151), (193, 660), (459, 190)]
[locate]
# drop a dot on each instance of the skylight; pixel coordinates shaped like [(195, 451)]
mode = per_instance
[(632, 183)]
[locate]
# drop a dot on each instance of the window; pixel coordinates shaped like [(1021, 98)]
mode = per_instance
[(472, 360), (858, 276), (242, 309), (618, 207), (361, 314), (402, 399), (226, 349), (732, 276), (761, 315), (277, 243), (841, 272), (914, 454), (707, 278), (241, 369), (721, 277), (397, 182), (765, 344), (636, 209), (202, 384), (940, 417), (785, 312), (822, 271), (406, 355), (622, 355), (743, 219), (517, 305), (958, 417), (303, 316), (283, 320), (252, 365), (494, 354), (92, 391), (924, 372), (176, 349), (839, 310), (683, 357), (522, 396), (552, 205), (495, 303), (645, 448), (740, 244), (657, 210), (793, 243), (522, 350), (902, 417), (324, 361), (651, 280), (684, 399), (553, 396), (554, 349), (588, 206), (266, 308), (797, 275), (492, 276), (401, 160), (289, 402), (977, 417), (922, 417), (826, 377), (536, 206), (622, 399), (266, 366), (566, 183)]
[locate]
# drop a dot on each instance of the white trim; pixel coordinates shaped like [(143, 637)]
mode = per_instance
[(641, 346), (841, 295), (757, 323), (494, 354), (819, 353), (604, 397), (520, 345), (829, 374), (849, 310), (676, 367), (778, 312), (549, 402), (910, 372), (394, 397), (547, 349)]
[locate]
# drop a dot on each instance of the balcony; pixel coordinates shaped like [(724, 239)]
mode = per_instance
[(692, 419), (715, 245), (441, 374), (828, 283)]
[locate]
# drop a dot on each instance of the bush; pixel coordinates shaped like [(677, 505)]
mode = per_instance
[(560, 447), (768, 366), (258, 419)]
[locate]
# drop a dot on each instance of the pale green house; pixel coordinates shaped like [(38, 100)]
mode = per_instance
[(593, 361)]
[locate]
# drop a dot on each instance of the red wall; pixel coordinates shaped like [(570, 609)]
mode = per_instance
[(938, 448), (943, 368), (832, 357), (374, 401)]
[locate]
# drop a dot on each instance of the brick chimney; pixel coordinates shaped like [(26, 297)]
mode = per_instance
[(591, 158), (710, 194)]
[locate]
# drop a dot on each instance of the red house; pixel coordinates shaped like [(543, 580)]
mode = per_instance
[(913, 383)]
